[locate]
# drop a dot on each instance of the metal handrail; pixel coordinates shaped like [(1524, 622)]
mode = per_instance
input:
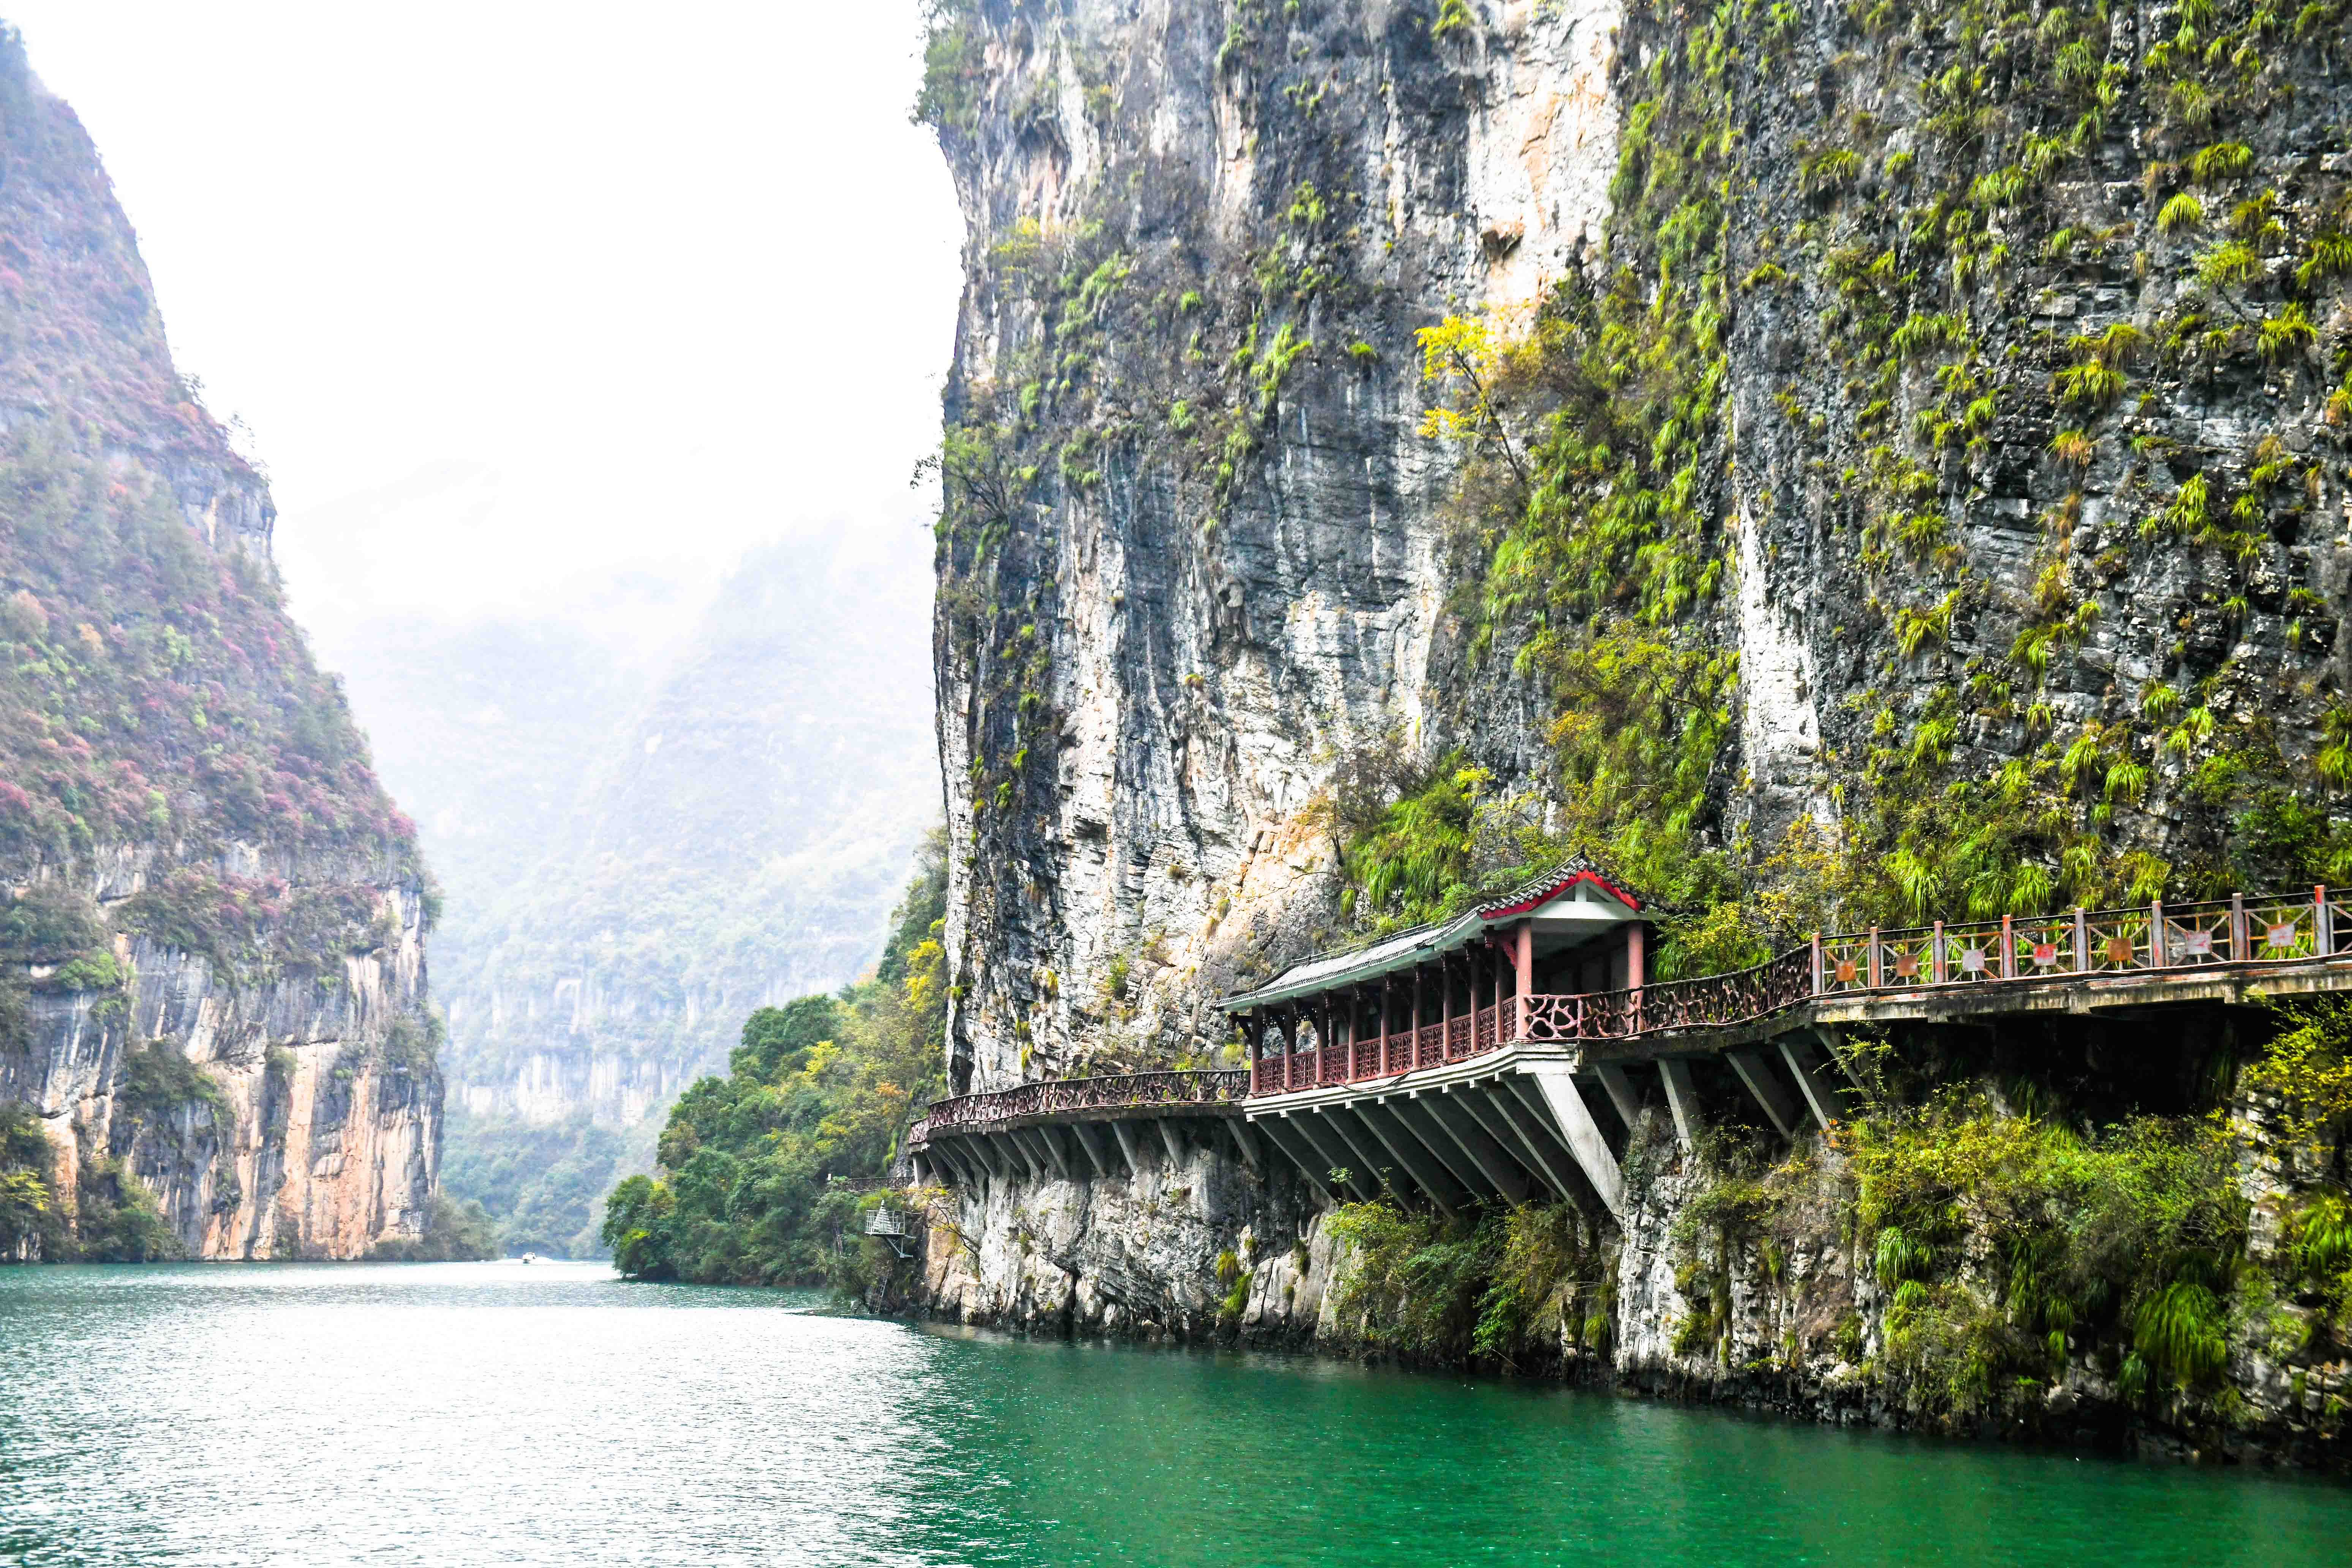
[(1108, 1092)]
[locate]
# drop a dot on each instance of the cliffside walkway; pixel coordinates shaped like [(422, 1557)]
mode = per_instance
[(1077, 1127), (1496, 1100)]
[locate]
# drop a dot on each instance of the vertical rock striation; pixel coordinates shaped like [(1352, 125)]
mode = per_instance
[(212, 960), (1945, 437), (1195, 549)]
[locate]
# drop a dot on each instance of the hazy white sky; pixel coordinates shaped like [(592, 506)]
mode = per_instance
[(533, 306)]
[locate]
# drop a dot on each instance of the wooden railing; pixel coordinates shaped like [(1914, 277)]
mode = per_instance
[(2082, 944), (973, 1113)]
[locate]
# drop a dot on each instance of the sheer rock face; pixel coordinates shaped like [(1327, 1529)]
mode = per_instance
[(1222, 565), (1226, 572), (1131, 1255), (2024, 452), (186, 795)]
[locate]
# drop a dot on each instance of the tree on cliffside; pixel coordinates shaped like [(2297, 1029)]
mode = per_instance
[(762, 1170)]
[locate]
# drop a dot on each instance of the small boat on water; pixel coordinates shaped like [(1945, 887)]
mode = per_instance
[(530, 1257)]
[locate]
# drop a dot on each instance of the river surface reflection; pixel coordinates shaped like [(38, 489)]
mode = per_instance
[(459, 1413)]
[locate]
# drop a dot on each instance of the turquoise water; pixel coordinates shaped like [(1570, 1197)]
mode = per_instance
[(457, 1414)]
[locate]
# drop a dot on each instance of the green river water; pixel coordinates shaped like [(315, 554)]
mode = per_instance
[(458, 1414)]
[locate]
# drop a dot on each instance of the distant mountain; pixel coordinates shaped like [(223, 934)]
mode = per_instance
[(634, 861)]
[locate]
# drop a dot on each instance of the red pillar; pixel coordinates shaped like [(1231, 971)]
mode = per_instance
[(1412, 1056), (1527, 957), (1635, 943), (1494, 985), (1355, 1028), (1445, 1001)]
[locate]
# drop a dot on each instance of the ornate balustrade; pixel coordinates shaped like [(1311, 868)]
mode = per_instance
[(977, 1113), (2083, 944)]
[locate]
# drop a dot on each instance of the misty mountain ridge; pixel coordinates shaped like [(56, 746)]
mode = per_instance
[(635, 855)]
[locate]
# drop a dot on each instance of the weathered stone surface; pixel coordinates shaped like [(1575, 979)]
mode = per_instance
[(1210, 647), (325, 1135), (1211, 581)]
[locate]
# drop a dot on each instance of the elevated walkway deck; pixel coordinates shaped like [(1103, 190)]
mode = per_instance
[(1077, 1128), (1505, 1101)]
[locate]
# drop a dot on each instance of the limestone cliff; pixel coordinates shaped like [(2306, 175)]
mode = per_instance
[(1766, 1302), (1910, 438), (1966, 426), (212, 963), (1196, 548)]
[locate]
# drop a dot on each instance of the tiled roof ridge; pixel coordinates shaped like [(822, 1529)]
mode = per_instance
[(1481, 905)]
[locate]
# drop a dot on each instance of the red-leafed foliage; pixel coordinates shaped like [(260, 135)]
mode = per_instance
[(131, 706)]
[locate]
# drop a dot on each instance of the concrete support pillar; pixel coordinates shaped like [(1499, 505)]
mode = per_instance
[(1488, 1158), (1412, 1151), (1125, 1136), (1757, 1074), (1172, 1135), (1027, 1144), (1822, 1094), (1362, 1149), (1528, 1130), (1381, 1119), (1483, 1106), (967, 1164), (1299, 1153), (1832, 1040), (1000, 1162), (1682, 1100), (1334, 1153), (1422, 1127), (1583, 1138), (1089, 1138), (1620, 1089), (975, 1172), (1245, 1141)]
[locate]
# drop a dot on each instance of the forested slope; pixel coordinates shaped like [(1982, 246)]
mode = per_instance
[(213, 1031)]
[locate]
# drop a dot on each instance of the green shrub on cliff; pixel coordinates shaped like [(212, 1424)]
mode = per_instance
[(1608, 505), (1502, 1287), (115, 1217), (30, 1224), (2028, 1238), (2308, 1065), (118, 1219), (760, 1170), (154, 687)]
